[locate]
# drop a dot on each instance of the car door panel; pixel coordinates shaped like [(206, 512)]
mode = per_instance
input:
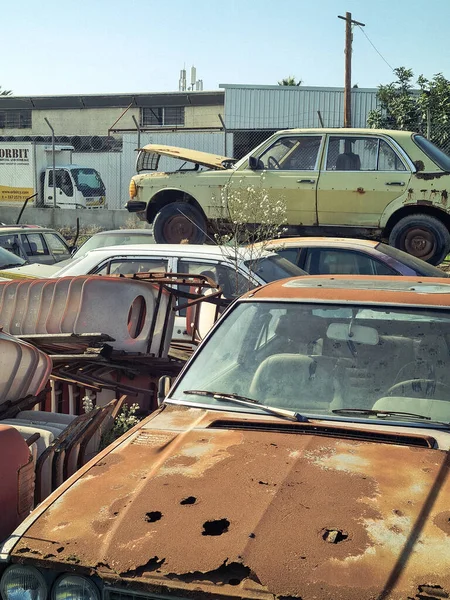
[(360, 177), (289, 171)]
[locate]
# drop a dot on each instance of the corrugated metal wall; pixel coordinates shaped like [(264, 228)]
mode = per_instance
[(276, 107)]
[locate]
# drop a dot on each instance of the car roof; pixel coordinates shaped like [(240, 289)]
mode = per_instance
[(13, 228), (125, 232), (360, 131), (343, 289), (325, 241), (199, 250)]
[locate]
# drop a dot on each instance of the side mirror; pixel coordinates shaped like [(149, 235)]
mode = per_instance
[(253, 163), (164, 384), (72, 249)]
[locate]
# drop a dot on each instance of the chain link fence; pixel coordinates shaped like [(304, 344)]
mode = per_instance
[(114, 157)]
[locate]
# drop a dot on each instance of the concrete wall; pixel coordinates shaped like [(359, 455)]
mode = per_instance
[(203, 116), (97, 121), (56, 218), (83, 121)]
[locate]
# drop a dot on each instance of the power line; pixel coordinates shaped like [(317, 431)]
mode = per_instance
[(375, 48)]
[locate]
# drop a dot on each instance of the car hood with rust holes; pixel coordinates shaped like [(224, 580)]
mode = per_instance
[(215, 502)]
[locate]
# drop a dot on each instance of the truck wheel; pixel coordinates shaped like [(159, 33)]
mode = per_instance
[(179, 221), (422, 236)]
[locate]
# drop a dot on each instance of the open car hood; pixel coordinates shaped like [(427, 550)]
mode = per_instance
[(155, 151), (208, 500)]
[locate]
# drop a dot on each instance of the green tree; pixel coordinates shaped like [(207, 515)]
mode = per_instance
[(403, 106), (398, 104), (290, 81), (5, 92)]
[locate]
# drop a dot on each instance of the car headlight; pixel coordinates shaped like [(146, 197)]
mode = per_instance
[(23, 583), (132, 189), (74, 587)]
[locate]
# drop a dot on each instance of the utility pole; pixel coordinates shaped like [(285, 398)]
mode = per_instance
[(348, 67)]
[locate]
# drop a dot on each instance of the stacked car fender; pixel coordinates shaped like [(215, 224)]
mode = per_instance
[(137, 315), (24, 372)]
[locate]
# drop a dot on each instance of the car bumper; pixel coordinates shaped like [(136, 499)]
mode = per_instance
[(135, 206)]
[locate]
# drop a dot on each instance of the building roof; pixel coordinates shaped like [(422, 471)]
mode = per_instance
[(139, 100), (343, 289)]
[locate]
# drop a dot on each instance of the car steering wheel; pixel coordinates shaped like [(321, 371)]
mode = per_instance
[(272, 163), (415, 383)]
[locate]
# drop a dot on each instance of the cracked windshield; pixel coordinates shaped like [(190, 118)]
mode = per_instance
[(318, 360)]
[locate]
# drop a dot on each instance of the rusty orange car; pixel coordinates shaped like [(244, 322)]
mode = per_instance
[(303, 452)]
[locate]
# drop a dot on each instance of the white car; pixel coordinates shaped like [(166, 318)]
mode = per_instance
[(236, 271)]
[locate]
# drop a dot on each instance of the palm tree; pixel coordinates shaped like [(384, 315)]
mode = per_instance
[(290, 81)]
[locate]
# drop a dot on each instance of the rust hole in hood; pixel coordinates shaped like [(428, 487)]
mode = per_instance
[(189, 500), (334, 536), (216, 527), (152, 517), (231, 574), (431, 592)]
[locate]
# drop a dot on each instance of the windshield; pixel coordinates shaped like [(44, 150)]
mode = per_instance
[(433, 152), (88, 182), (419, 266), (112, 239), (274, 267), (9, 260), (315, 359)]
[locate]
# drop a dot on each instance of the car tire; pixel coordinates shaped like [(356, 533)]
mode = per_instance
[(179, 221), (421, 236)]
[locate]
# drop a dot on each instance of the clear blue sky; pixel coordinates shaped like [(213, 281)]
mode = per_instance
[(114, 46)]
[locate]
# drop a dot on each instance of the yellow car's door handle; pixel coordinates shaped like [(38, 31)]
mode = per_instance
[(395, 183), (306, 181)]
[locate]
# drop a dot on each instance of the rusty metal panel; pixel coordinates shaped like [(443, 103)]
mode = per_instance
[(244, 513)]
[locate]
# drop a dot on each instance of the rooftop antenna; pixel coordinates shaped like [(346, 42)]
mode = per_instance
[(194, 85), (182, 81)]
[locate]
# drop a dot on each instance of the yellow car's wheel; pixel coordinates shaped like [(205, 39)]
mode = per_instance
[(178, 222)]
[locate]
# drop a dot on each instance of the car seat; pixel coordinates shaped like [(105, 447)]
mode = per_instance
[(348, 161), (292, 381)]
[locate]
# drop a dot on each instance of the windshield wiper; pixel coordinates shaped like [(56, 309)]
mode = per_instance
[(244, 401), (11, 265), (382, 413)]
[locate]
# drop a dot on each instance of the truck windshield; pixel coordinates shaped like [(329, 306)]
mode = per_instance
[(88, 182), (320, 358)]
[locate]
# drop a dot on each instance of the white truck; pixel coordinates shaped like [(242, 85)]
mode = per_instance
[(26, 170)]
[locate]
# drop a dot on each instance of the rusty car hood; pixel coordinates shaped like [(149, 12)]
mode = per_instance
[(190, 502), (206, 159)]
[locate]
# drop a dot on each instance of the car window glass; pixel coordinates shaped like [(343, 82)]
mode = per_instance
[(62, 180), (290, 254), (11, 243), (388, 160), (347, 153), (10, 259), (328, 261), (292, 154), (56, 244), (133, 265), (34, 244), (232, 282)]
